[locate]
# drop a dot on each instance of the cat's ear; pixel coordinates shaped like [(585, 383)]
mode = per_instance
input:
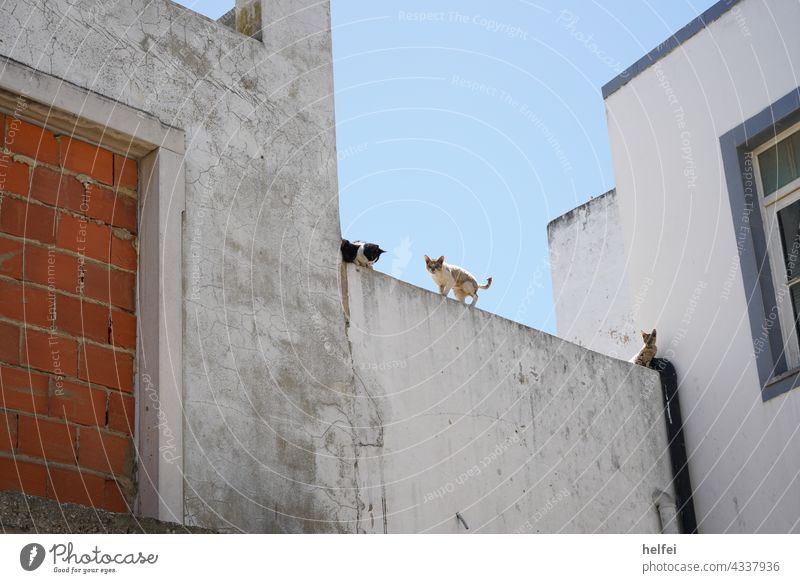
[(644, 335), (380, 251), (427, 259), (440, 261), (653, 334)]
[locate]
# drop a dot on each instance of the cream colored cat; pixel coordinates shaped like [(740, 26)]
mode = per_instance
[(461, 281)]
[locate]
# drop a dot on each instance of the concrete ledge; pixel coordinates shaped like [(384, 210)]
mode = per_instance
[(85, 114), (21, 514)]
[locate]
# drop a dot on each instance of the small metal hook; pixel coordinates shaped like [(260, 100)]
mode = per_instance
[(461, 520)]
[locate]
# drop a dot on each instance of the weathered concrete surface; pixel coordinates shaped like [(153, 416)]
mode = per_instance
[(291, 426), (513, 428), (263, 392), (22, 514), (591, 292), (680, 235)]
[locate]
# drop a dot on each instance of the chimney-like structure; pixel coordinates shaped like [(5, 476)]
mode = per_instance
[(249, 18)]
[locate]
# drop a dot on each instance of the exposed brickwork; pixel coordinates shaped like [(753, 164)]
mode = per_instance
[(112, 368), (11, 258), (51, 439), (72, 485), (68, 261), (24, 390), (105, 452), (105, 205), (80, 404), (34, 222), (9, 343), (126, 173), (23, 476), (8, 431), (13, 175), (121, 412), (88, 159), (30, 140)]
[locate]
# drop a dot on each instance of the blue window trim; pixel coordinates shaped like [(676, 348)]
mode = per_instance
[(762, 305)]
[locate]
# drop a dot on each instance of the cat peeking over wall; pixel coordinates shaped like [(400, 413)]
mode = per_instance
[(648, 351), (361, 253)]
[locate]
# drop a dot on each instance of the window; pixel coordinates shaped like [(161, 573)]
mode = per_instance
[(766, 258), (778, 169), (780, 164)]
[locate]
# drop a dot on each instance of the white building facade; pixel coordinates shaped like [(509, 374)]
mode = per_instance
[(706, 153)]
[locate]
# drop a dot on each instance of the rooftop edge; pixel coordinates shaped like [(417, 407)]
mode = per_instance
[(570, 213), (669, 45)]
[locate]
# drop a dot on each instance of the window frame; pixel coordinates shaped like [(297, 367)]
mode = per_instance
[(771, 205), (757, 151), (739, 149), (160, 151)]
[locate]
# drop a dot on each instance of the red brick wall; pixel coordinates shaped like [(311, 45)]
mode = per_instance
[(68, 259)]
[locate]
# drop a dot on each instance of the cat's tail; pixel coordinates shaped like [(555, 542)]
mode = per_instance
[(487, 284)]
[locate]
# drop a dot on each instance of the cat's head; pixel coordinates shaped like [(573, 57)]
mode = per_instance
[(372, 251), (434, 265), (650, 338)]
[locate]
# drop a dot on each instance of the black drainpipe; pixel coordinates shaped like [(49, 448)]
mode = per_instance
[(677, 444)]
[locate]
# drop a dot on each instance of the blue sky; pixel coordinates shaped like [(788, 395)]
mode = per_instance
[(464, 127)]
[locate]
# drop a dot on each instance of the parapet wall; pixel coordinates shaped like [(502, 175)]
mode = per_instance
[(514, 429)]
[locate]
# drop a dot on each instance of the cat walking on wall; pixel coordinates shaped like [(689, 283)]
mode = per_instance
[(451, 277)]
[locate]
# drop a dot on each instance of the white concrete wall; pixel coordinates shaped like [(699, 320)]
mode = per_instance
[(664, 127), (262, 380), (290, 425), (591, 293), (515, 429)]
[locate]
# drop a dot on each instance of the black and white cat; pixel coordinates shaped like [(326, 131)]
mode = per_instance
[(361, 253)]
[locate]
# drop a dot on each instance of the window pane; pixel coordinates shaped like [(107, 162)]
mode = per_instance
[(780, 164), (789, 222), (794, 292)]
